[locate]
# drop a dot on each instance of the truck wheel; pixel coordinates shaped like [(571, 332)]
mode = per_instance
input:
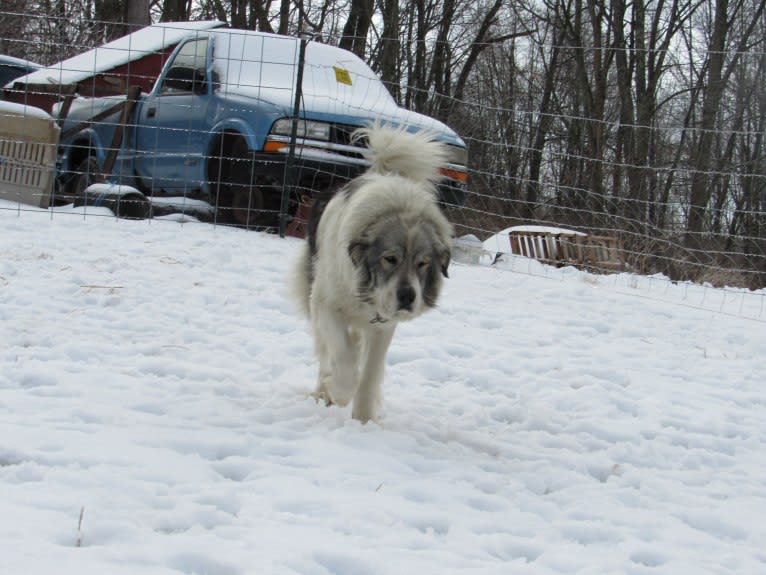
[(245, 197), (86, 173)]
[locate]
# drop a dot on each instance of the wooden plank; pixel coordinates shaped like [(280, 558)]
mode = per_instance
[(515, 244), (133, 94), (598, 252), (608, 253)]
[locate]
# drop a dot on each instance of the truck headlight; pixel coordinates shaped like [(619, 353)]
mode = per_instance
[(457, 155), (307, 129)]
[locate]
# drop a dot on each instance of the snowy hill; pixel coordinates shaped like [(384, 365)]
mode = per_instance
[(154, 378)]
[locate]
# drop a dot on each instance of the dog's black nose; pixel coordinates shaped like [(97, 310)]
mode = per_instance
[(405, 295)]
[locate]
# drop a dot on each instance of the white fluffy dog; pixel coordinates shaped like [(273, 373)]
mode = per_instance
[(375, 256)]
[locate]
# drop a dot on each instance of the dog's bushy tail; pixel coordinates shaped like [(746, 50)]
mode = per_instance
[(417, 156)]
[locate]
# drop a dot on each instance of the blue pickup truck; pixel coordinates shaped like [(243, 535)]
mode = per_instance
[(217, 126)]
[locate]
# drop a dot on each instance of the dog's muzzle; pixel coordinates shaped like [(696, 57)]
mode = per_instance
[(405, 296)]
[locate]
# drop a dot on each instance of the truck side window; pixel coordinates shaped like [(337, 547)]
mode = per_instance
[(187, 72)]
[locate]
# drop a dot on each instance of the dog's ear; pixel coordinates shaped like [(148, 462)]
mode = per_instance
[(356, 251)]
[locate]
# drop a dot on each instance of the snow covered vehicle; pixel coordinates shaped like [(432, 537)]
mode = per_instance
[(218, 125)]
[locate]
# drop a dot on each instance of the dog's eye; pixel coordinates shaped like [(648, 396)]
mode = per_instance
[(391, 259), (423, 264)]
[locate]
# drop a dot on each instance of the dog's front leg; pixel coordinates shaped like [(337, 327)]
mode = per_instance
[(368, 394), (338, 354)]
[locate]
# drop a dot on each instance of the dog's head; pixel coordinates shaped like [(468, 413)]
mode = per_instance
[(400, 260)]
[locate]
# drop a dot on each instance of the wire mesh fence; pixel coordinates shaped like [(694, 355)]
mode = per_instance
[(567, 160)]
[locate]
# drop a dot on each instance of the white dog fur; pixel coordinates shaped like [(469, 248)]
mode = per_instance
[(375, 256)]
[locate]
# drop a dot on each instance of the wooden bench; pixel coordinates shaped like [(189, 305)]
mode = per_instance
[(562, 249)]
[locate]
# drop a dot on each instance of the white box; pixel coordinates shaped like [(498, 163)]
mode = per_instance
[(28, 146)]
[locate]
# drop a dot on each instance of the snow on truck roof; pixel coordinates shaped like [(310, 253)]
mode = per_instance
[(106, 57)]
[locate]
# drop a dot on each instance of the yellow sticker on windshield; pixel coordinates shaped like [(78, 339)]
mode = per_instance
[(342, 76)]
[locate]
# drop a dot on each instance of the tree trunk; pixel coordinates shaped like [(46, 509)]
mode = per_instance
[(713, 92), (260, 17), (440, 77), (109, 20), (544, 120), (136, 15), (717, 78), (284, 17), (175, 11), (480, 42), (388, 62), (419, 80), (355, 31)]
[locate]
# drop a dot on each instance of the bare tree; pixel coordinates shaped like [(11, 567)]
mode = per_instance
[(12, 20), (641, 64), (136, 15), (388, 61), (175, 10), (717, 76), (357, 26), (550, 56)]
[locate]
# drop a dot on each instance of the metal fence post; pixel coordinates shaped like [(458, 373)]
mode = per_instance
[(288, 182)]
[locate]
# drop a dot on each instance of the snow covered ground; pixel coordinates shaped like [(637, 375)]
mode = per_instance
[(155, 418)]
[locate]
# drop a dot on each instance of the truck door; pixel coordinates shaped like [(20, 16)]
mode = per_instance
[(172, 124)]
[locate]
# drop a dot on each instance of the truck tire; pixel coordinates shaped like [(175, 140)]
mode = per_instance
[(243, 200), (86, 173)]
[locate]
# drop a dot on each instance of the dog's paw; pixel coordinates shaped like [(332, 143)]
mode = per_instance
[(340, 399), (363, 415), (322, 396), (365, 408), (332, 394)]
